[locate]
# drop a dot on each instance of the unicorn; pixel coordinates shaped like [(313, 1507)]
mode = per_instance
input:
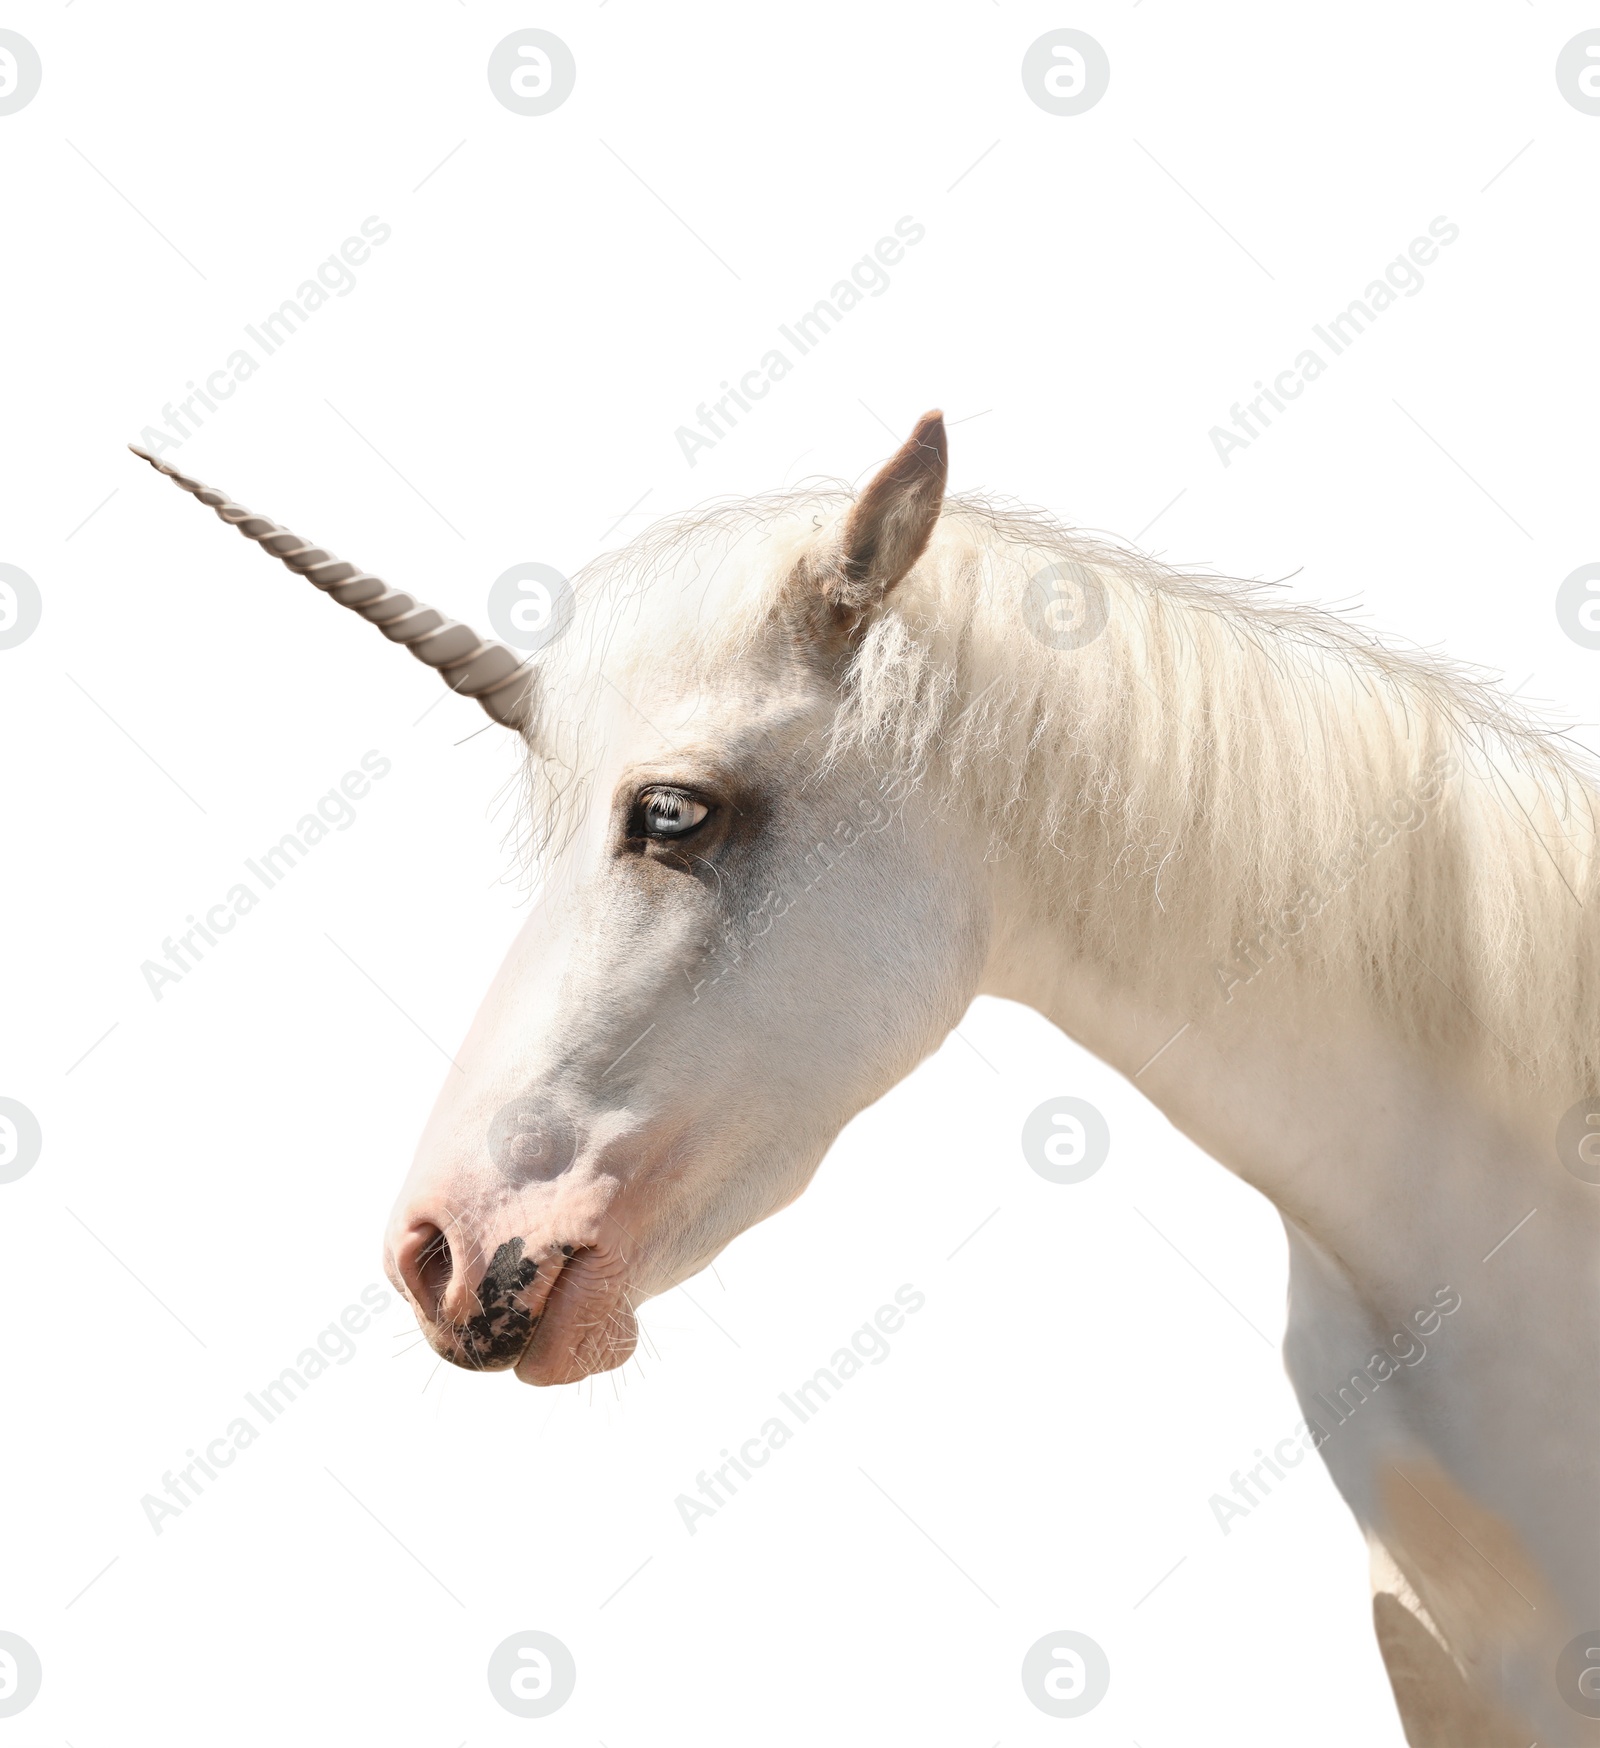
[(808, 773)]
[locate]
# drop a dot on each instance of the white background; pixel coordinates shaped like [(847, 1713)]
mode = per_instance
[(1039, 1450)]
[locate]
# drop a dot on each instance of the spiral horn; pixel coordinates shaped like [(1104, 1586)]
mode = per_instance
[(500, 681)]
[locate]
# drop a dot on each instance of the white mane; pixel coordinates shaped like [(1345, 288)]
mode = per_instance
[(1179, 783)]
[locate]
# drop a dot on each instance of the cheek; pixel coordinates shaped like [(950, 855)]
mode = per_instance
[(868, 954), (643, 934)]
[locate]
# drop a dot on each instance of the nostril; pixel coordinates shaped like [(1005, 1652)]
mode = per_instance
[(426, 1265), (435, 1264)]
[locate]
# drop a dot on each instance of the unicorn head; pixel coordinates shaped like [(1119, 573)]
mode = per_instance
[(749, 925)]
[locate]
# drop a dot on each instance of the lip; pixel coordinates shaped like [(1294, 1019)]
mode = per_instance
[(586, 1324)]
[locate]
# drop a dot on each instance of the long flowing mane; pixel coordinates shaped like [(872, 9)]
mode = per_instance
[(1221, 780)]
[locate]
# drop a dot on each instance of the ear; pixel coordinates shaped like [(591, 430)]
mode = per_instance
[(889, 527)]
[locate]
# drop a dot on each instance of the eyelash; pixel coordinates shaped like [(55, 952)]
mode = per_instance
[(685, 806)]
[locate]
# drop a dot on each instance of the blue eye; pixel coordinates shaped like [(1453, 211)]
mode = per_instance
[(669, 813)]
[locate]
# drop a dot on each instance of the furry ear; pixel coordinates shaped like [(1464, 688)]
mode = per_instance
[(891, 523)]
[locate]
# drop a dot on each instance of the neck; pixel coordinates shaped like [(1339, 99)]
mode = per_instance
[(1405, 1175), (1319, 1098)]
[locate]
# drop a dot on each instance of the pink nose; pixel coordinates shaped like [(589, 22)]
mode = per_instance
[(483, 1324)]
